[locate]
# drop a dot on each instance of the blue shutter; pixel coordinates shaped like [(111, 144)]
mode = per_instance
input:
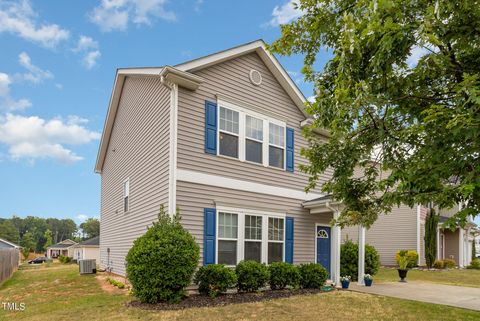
[(290, 149), (209, 228), (289, 240), (210, 127)]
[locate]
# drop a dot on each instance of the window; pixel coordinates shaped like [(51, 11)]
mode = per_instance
[(253, 238), (254, 139), (249, 235), (250, 136), (126, 194), (276, 232), (229, 132), (227, 238), (276, 148)]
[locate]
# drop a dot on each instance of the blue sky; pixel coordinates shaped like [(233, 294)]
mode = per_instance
[(58, 60)]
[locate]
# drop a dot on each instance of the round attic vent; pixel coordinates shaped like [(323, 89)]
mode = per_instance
[(255, 77)]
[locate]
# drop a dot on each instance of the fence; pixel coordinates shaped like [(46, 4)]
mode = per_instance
[(9, 262)]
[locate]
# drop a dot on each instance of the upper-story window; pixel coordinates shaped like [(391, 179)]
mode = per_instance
[(249, 136), (229, 132), (126, 195), (276, 149)]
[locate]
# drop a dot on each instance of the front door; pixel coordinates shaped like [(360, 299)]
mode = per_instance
[(323, 246)]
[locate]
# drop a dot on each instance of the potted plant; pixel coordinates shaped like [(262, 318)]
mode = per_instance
[(402, 268), (368, 279), (345, 281)]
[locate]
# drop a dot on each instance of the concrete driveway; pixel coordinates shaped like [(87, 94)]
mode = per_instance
[(456, 296)]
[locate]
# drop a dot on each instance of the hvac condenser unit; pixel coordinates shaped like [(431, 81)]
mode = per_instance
[(87, 266)]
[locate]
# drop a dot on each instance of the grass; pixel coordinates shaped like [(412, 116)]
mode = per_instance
[(58, 292), (470, 278)]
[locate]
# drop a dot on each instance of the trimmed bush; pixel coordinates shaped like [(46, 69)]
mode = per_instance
[(312, 275), (438, 264), (251, 276), (215, 279), (116, 283), (449, 264), (475, 264), (412, 257), (283, 274), (64, 259), (349, 260), (161, 263)]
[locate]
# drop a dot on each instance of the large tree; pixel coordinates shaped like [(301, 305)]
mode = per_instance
[(90, 228), (400, 99), (9, 232)]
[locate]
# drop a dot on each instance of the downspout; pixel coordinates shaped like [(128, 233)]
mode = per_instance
[(172, 155)]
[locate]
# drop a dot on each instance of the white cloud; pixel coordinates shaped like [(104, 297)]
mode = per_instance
[(113, 15), (19, 18), (81, 217), (6, 101), (284, 14), (36, 74), (34, 138), (197, 6), (85, 43), (91, 58)]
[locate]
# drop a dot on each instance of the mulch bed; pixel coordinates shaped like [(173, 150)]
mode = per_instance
[(198, 301)]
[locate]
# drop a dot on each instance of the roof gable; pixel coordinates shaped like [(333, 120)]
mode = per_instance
[(9, 243), (181, 74)]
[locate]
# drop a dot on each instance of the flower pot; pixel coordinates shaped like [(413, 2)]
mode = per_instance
[(402, 274), (368, 282), (345, 284)]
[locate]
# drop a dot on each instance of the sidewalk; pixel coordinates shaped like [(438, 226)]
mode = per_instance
[(456, 296)]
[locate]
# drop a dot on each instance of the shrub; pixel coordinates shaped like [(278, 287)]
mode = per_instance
[(312, 275), (349, 260), (116, 283), (430, 238), (282, 275), (64, 259), (438, 264), (251, 276), (475, 264), (412, 257), (449, 264), (161, 263), (215, 279)]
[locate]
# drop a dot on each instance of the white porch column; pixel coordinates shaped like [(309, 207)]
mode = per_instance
[(336, 242), (461, 243), (361, 254)]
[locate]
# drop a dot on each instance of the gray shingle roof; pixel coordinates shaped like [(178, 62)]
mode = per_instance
[(93, 241)]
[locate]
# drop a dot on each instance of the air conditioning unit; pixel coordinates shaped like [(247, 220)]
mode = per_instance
[(87, 266)]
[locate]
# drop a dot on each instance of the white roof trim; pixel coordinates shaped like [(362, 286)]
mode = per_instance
[(10, 243)]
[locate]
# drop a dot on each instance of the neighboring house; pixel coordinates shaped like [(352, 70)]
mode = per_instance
[(88, 249), (64, 248), (4, 244), (220, 138), (476, 239)]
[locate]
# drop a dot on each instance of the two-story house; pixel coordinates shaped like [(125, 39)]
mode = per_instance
[(219, 137)]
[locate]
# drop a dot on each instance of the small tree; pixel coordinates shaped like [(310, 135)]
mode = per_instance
[(48, 239), (431, 225), (27, 243), (161, 263)]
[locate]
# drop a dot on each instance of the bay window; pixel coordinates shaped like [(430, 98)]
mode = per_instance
[(249, 235)]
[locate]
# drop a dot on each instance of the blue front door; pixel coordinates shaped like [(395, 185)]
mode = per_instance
[(323, 246)]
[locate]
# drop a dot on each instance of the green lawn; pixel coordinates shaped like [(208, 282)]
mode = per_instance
[(469, 278), (58, 292)]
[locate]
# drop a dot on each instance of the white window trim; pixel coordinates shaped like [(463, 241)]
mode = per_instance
[(127, 194), (241, 231), (242, 112)]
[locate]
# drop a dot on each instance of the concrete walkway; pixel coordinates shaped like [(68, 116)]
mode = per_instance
[(456, 296)]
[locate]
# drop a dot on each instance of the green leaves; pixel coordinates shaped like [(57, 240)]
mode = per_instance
[(400, 100)]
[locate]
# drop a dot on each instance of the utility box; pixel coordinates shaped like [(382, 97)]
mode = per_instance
[(87, 266)]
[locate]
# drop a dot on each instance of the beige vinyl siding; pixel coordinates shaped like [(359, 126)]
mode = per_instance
[(390, 233), (138, 150), (193, 198), (231, 79)]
